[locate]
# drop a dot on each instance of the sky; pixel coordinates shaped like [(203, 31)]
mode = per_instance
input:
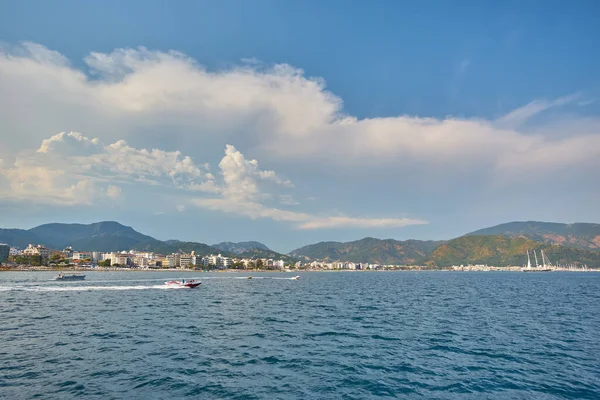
[(294, 122)]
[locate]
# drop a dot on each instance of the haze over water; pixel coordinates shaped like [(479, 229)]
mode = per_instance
[(327, 336)]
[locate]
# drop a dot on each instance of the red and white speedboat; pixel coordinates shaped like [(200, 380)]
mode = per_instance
[(183, 283)]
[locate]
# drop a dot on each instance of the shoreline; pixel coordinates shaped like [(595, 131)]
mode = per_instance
[(261, 271)]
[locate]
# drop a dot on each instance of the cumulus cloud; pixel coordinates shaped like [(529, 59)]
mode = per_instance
[(70, 144), (138, 100), (241, 175), (275, 109), (70, 168), (31, 182), (240, 194)]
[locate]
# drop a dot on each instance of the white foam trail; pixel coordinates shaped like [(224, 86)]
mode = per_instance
[(84, 288)]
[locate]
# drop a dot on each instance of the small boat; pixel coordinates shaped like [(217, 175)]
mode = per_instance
[(296, 277), (72, 277), (249, 277), (183, 283)]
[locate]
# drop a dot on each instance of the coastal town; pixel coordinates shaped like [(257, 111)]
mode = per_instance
[(42, 257)]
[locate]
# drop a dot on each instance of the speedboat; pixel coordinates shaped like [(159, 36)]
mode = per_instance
[(72, 277), (296, 277), (184, 284)]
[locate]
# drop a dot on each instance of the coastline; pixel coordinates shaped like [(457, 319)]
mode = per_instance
[(256, 271)]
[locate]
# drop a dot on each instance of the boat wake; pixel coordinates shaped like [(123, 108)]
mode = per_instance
[(83, 288)]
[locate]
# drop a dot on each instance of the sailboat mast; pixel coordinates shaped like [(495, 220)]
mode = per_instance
[(543, 260), (528, 260), (536, 260)]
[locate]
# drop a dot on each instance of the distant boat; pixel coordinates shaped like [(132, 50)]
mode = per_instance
[(183, 283), (538, 268), (296, 277), (72, 277)]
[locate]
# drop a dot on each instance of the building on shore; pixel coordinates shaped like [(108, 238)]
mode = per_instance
[(38, 250)]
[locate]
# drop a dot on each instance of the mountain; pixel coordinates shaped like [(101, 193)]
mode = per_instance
[(112, 236), (240, 247), (579, 235), (261, 253), (500, 251), (18, 237), (500, 245), (494, 250), (173, 246), (101, 236), (369, 249)]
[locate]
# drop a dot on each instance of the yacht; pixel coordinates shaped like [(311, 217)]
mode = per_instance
[(72, 277)]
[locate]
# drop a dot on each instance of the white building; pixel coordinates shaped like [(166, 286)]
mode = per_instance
[(38, 250), (185, 260), (140, 261), (121, 259)]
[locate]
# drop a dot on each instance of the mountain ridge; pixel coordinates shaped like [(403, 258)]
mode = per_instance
[(369, 249), (504, 243), (240, 247), (111, 236), (581, 235)]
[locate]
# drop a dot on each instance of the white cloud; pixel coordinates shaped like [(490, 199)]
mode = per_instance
[(240, 194), (119, 161), (241, 176), (255, 210), (147, 103), (522, 114), (276, 109), (69, 168), (70, 144), (347, 222), (31, 182), (87, 164)]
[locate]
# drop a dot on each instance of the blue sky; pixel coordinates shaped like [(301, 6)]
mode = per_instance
[(384, 118)]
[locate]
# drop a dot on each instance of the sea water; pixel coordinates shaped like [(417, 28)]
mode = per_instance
[(337, 335)]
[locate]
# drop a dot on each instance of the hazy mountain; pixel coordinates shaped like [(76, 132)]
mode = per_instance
[(173, 246), (101, 236), (113, 236), (373, 250), (18, 237), (564, 243), (240, 247), (580, 235)]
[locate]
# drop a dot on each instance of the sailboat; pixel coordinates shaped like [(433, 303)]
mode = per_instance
[(538, 267)]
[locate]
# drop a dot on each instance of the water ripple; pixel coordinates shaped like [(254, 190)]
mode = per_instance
[(326, 336)]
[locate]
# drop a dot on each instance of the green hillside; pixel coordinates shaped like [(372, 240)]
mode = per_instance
[(240, 247), (579, 235), (373, 250), (502, 251)]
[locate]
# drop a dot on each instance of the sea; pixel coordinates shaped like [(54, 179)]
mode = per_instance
[(328, 335)]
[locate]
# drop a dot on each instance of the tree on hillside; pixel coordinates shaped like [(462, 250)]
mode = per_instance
[(105, 263)]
